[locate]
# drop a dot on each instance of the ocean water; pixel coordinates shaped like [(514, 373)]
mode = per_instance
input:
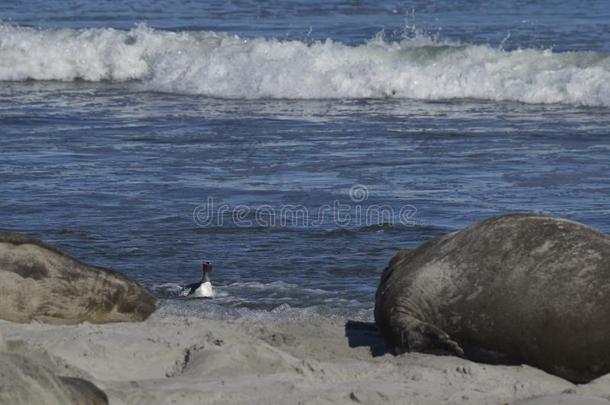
[(298, 145)]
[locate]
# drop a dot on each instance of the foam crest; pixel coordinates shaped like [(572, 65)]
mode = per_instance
[(219, 65)]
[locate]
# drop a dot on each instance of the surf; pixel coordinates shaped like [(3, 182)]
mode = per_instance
[(215, 64)]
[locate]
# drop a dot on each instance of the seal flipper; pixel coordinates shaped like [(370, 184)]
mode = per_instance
[(415, 335)]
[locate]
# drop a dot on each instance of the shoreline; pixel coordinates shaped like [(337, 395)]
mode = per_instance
[(177, 359)]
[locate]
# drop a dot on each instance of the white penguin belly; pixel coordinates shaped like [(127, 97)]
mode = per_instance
[(205, 290)]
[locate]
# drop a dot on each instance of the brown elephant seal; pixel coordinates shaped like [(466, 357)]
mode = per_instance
[(40, 282), (518, 288)]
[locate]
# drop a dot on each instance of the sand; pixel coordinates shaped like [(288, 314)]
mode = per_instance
[(171, 359)]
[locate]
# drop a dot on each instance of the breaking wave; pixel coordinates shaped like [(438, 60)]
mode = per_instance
[(220, 65), (276, 300)]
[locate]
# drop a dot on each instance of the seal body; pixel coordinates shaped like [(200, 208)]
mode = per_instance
[(33, 380), (39, 282), (517, 289)]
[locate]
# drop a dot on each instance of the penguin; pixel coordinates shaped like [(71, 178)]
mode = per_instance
[(202, 289)]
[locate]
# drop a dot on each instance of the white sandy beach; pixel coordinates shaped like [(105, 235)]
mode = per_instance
[(169, 359)]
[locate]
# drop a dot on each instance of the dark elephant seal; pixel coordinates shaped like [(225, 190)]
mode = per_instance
[(513, 289), (40, 282)]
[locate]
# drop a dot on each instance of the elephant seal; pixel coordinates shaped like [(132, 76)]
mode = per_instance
[(514, 289), (40, 282), (30, 380)]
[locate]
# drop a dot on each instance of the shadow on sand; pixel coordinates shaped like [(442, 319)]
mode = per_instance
[(365, 334)]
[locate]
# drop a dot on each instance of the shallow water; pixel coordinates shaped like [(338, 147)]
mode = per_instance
[(258, 135)]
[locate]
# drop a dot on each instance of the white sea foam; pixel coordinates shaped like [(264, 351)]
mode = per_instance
[(209, 309), (219, 65)]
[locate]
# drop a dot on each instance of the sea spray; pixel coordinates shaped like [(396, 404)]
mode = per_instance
[(225, 66)]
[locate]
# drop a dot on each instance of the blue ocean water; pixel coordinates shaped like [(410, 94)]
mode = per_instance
[(298, 145)]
